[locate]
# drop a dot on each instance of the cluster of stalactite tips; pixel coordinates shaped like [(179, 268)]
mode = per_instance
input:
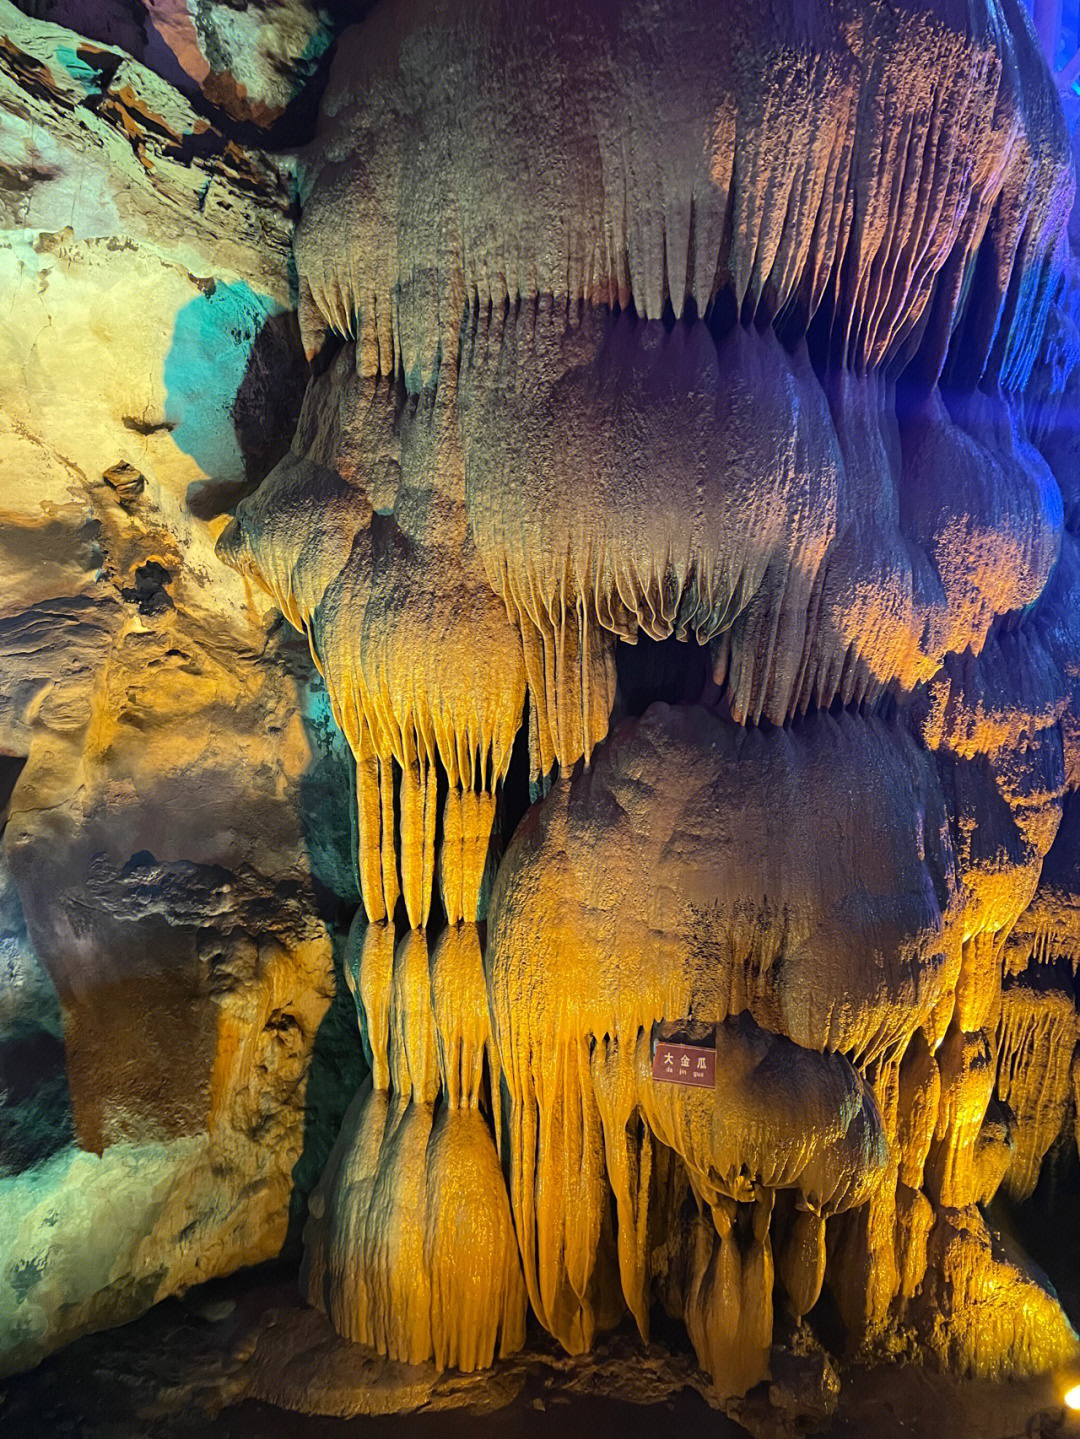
[(683, 517)]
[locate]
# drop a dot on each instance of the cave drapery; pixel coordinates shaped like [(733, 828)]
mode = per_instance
[(683, 521), (725, 328)]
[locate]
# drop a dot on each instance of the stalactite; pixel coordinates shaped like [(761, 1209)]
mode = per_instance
[(918, 1102), (361, 537), (570, 668), (781, 1117), (862, 1258), (1037, 1036), (465, 857), (755, 390), (966, 1063), (787, 142), (414, 1064), (375, 816), (559, 1195), (800, 1264), (994, 1152), (728, 1304), (459, 1006), (369, 967), (418, 810), (862, 1264), (978, 986), (628, 1151), (914, 1220)]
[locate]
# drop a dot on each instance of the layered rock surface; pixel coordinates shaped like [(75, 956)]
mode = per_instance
[(173, 839)]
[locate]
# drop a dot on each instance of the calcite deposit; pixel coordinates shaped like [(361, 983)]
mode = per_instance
[(680, 521)]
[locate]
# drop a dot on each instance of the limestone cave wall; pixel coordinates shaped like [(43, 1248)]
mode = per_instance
[(532, 532)]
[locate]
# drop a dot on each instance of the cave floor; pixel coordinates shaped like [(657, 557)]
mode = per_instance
[(244, 1358)]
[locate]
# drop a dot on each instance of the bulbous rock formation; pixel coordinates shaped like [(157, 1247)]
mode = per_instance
[(724, 346)]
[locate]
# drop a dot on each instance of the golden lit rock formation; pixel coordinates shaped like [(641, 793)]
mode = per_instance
[(720, 339), (682, 522)]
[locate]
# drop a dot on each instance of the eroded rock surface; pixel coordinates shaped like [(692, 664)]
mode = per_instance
[(175, 848)]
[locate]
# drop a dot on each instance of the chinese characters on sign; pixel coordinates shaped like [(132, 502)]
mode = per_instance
[(684, 1064)]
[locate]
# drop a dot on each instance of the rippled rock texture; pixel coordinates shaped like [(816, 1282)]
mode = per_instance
[(681, 523)]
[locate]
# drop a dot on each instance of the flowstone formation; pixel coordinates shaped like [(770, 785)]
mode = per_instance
[(680, 549), (691, 402)]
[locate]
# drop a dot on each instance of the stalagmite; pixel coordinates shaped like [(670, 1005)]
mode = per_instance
[(478, 1297), (985, 1312), (410, 1245), (728, 1286)]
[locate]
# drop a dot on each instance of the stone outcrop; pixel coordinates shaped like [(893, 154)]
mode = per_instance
[(249, 64), (175, 846)]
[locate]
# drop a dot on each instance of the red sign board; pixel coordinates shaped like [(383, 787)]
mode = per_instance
[(684, 1064)]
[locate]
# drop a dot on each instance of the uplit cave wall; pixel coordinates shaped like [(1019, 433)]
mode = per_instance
[(540, 674)]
